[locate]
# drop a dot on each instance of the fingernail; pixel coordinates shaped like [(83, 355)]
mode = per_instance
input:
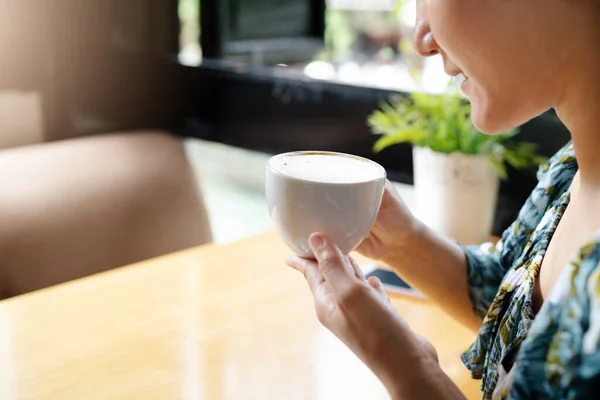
[(316, 241)]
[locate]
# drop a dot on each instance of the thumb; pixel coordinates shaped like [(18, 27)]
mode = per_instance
[(376, 284), (333, 265)]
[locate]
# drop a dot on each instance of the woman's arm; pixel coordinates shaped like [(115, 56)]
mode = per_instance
[(409, 368), (432, 264), (437, 267), (359, 313), (430, 383)]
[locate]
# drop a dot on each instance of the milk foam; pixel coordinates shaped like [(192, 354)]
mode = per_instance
[(331, 168)]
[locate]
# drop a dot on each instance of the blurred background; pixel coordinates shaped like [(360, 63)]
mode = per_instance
[(367, 43)]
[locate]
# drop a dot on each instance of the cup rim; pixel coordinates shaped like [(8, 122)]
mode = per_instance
[(271, 167)]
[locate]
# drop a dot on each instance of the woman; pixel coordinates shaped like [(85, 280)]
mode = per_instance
[(535, 297)]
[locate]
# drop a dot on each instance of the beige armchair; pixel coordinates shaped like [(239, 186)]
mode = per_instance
[(77, 207)]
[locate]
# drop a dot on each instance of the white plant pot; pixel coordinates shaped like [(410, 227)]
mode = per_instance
[(455, 194)]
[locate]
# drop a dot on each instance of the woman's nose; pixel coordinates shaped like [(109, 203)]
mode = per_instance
[(424, 41)]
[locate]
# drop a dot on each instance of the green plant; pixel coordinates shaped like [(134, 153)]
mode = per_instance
[(443, 124), (339, 34)]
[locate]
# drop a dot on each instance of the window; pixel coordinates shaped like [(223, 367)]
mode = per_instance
[(356, 42), (369, 43), (189, 37)]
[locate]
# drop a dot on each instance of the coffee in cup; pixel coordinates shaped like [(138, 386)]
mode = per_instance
[(333, 193)]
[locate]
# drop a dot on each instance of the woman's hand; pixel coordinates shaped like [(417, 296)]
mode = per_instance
[(359, 313), (393, 229), (427, 261)]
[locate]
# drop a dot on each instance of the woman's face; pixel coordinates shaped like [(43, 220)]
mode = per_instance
[(514, 53)]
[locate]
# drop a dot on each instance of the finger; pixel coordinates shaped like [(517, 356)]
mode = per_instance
[(309, 269), (376, 284), (390, 195), (389, 192), (390, 189), (357, 270), (389, 186), (333, 265)]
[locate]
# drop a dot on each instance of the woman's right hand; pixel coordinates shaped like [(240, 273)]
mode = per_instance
[(393, 229), (430, 263)]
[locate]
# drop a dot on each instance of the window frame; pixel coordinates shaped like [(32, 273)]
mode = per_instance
[(215, 25)]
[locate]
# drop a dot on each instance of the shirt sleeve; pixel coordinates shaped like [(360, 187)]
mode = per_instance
[(484, 275)]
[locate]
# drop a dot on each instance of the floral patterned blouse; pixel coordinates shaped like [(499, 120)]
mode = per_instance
[(554, 354)]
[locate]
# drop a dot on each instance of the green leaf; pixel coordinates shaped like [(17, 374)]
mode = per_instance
[(500, 167), (413, 136), (443, 124)]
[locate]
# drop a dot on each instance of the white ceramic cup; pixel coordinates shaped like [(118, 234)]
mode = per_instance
[(344, 209)]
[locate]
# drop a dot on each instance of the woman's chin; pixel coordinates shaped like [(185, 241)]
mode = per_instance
[(496, 123), (484, 123), (497, 113), (492, 120), (489, 127)]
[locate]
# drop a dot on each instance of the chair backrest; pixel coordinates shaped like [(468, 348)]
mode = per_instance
[(21, 118)]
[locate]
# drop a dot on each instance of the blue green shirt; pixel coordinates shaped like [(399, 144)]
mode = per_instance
[(554, 354)]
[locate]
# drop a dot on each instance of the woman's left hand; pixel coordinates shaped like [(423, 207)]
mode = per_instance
[(359, 313)]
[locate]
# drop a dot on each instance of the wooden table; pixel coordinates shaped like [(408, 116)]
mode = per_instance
[(216, 322)]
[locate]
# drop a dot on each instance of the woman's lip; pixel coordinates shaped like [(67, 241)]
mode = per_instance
[(453, 73), (464, 84)]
